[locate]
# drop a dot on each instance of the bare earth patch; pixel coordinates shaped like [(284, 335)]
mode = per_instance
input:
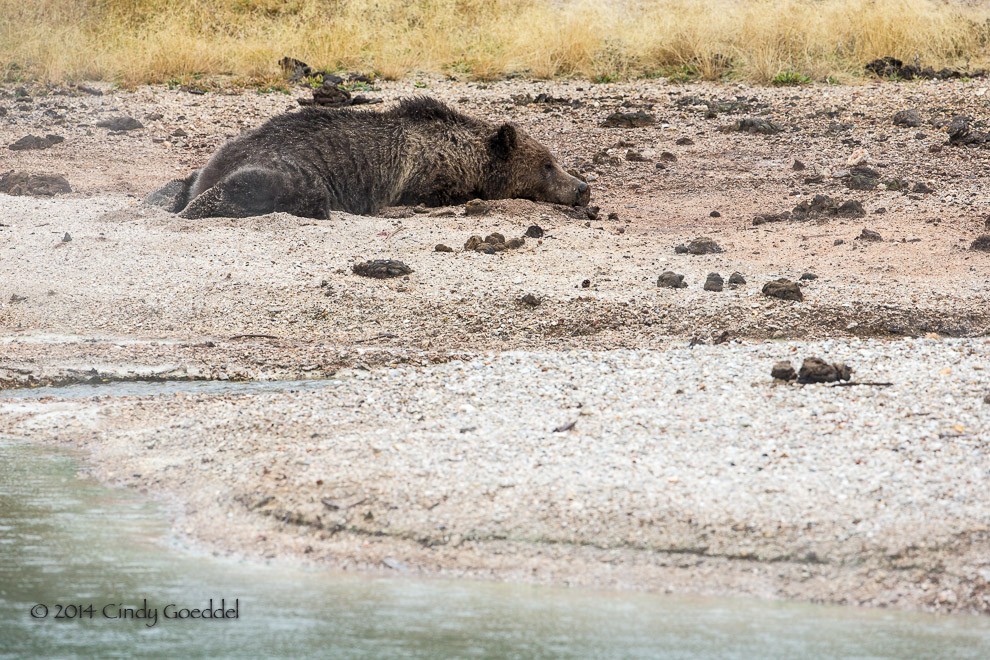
[(434, 448)]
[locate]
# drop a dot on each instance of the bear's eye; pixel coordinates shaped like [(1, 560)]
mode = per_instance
[(548, 167)]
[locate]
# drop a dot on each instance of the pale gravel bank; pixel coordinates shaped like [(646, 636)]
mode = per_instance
[(687, 469)]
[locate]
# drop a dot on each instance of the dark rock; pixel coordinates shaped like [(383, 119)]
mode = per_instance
[(487, 248), (838, 241), (476, 207), (34, 142), (67, 237), (783, 289), (961, 132), (120, 124), (514, 243), (14, 299), (473, 242), (684, 142), (869, 235), (531, 300), (714, 214), (636, 157), (753, 125), (798, 166), (382, 268), (981, 244), (636, 119), (39, 185), (808, 276), (534, 231), (494, 238), (700, 245), (850, 209), (671, 280), (585, 284), (714, 282), (736, 279), (783, 370), (910, 118), (922, 188), (816, 370), (668, 157), (862, 182), (603, 157), (443, 248)]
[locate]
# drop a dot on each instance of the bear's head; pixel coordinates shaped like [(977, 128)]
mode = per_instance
[(523, 168)]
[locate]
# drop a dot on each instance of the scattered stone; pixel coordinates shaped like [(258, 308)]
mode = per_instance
[(869, 235), (39, 185), (736, 279), (382, 268), (753, 125), (486, 248), (443, 248), (34, 142), (910, 118), (534, 231), (585, 284), (668, 157), (820, 206), (613, 216), (14, 299), (120, 124), (981, 244), (797, 166), (700, 245), (684, 142), (179, 133), (891, 67), (473, 242), (961, 132), (714, 214), (817, 370), (838, 241), (531, 300), (67, 237), (714, 282), (634, 156), (476, 207), (671, 280), (494, 238), (850, 209), (922, 188), (636, 119), (808, 277), (783, 370), (543, 98), (784, 289), (514, 243)]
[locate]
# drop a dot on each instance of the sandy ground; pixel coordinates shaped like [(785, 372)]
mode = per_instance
[(138, 293)]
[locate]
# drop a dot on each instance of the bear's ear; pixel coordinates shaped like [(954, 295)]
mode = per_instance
[(504, 141)]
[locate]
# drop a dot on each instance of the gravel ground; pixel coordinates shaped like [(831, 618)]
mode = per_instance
[(686, 469), (434, 448)]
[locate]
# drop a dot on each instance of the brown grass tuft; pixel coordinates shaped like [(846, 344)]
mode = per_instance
[(136, 41)]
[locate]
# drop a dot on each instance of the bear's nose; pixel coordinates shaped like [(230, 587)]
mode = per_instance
[(582, 186)]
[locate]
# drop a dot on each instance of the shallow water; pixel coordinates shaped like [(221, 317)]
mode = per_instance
[(65, 540)]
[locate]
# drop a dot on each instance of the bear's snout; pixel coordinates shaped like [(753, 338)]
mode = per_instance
[(583, 193)]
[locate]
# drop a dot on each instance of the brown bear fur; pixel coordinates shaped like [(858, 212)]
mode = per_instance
[(318, 160)]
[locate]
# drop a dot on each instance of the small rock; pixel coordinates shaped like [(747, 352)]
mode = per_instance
[(476, 207), (797, 166), (700, 245), (714, 282), (636, 119), (494, 238), (981, 244), (671, 280), (120, 124), (41, 185), (381, 268), (783, 370), (869, 235), (838, 241), (14, 298), (754, 125), (34, 142), (850, 209), (668, 157), (636, 156), (808, 276), (473, 242), (486, 248), (514, 243), (736, 279), (783, 289), (714, 214), (443, 248), (179, 133), (922, 188), (67, 238), (531, 300), (910, 118), (534, 231), (585, 284), (684, 142)]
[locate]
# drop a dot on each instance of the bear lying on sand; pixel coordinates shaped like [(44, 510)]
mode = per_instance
[(318, 160)]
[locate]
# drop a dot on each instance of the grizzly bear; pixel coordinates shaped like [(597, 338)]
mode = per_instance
[(318, 160)]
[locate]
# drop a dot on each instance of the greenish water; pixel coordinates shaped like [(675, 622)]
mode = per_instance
[(66, 540)]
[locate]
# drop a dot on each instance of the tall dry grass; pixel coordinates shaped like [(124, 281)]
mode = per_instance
[(134, 41)]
